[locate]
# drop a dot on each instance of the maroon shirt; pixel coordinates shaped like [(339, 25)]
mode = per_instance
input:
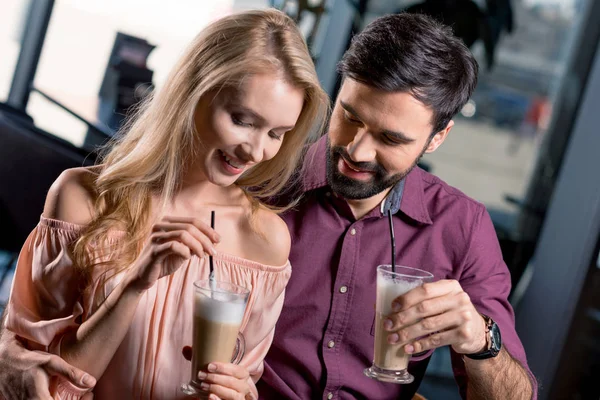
[(324, 337)]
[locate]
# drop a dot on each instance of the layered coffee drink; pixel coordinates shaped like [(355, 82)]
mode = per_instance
[(218, 313), (390, 362), (216, 325), (389, 356)]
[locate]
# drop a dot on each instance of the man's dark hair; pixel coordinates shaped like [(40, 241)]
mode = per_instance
[(413, 53)]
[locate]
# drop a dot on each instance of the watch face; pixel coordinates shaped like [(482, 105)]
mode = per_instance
[(496, 338)]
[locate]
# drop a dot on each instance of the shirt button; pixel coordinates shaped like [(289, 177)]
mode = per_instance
[(331, 344), (343, 289), (330, 395), (328, 194), (353, 232)]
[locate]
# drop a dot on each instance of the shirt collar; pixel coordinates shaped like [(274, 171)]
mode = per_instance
[(407, 196)]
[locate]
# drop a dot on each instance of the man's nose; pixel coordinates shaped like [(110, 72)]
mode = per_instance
[(361, 148)]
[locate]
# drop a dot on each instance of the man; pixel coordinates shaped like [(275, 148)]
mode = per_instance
[(405, 77)]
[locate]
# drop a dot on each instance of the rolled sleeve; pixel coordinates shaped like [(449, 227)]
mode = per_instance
[(486, 279)]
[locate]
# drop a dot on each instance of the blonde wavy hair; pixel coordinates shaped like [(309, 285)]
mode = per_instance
[(156, 144)]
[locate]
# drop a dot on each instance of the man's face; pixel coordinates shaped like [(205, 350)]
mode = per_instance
[(375, 139)]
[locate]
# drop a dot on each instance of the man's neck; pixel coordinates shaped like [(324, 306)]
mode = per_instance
[(362, 207)]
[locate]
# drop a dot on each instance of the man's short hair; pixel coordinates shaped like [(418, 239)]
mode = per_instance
[(416, 54)]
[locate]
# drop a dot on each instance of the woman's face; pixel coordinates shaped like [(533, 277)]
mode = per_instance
[(241, 127)]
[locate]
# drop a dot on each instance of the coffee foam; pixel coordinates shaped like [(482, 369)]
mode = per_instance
[(222, 307), (388, 289)]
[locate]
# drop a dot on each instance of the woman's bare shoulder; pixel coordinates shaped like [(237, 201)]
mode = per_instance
[(271, 240), (71, 197), (277, 240)]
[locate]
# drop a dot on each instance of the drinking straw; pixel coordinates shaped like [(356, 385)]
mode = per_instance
[(393, 240), (210, 257)]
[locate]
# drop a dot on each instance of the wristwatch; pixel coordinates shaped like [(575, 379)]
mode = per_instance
[(493, 339)]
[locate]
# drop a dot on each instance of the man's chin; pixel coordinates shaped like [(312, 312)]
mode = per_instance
[(352, 189)]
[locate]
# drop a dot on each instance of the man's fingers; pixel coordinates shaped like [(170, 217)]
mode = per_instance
[(424, 309), (426, 326), (58, 367), (187, 353), (88, 396), (425, 292), (41, 384), (432, 341)]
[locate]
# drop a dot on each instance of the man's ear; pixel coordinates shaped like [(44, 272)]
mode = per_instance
[(439, 138)]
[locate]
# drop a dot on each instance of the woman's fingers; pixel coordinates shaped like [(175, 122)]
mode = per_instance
[(198, 224), (196, 246), (166, 231)]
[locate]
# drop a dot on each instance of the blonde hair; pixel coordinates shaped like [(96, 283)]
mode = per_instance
[(160, 140)]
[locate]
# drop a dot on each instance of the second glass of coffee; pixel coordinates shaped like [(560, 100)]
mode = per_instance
[(390, 362), (218, 313)]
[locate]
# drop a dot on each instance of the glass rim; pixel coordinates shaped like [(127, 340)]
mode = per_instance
[(424, 274), (241, 290)]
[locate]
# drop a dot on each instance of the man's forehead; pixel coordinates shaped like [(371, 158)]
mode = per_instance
[(384, 108)]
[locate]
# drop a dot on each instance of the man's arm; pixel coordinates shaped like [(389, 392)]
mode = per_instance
[(496, 378), (448, 312), (25, 374), (441, 313)]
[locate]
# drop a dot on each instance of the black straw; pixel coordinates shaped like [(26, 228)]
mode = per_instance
[(210, 257), (393, 240)]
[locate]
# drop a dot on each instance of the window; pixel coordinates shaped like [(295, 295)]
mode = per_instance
[(78, 45), (12, 21)]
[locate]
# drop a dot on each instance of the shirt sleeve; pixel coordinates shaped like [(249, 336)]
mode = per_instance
[(45, 303), (486, 279)]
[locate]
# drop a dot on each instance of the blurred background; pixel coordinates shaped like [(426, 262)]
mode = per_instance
[(526, 145)]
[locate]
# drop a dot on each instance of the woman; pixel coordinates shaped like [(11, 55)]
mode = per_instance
[(105, 279)]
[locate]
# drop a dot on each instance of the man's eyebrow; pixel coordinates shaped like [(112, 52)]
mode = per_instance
[(349, 108), (398, 136)]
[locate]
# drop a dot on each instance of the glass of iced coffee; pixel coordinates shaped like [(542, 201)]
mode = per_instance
[(218, 312), (390, 361)]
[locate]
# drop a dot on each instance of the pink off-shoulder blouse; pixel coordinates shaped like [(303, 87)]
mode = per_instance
[(46, 301)]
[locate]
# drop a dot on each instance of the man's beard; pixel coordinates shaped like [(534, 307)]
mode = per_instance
[(353, 189)]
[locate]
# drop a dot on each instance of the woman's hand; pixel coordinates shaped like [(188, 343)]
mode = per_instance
[(226, 381), (172, 242)]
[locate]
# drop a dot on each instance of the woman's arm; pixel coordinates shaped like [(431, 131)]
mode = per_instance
[(171, 243)]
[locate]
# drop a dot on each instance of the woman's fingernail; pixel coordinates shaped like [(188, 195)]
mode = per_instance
[(387, 324), (396, 307), (202, 375), (204, 386), (409, 349), (212, 367), (213, 251), (393, 338), (217, 238), (88, 380)]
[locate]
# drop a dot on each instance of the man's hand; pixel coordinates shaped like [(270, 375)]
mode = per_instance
[(26, 374), (435, 315)]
